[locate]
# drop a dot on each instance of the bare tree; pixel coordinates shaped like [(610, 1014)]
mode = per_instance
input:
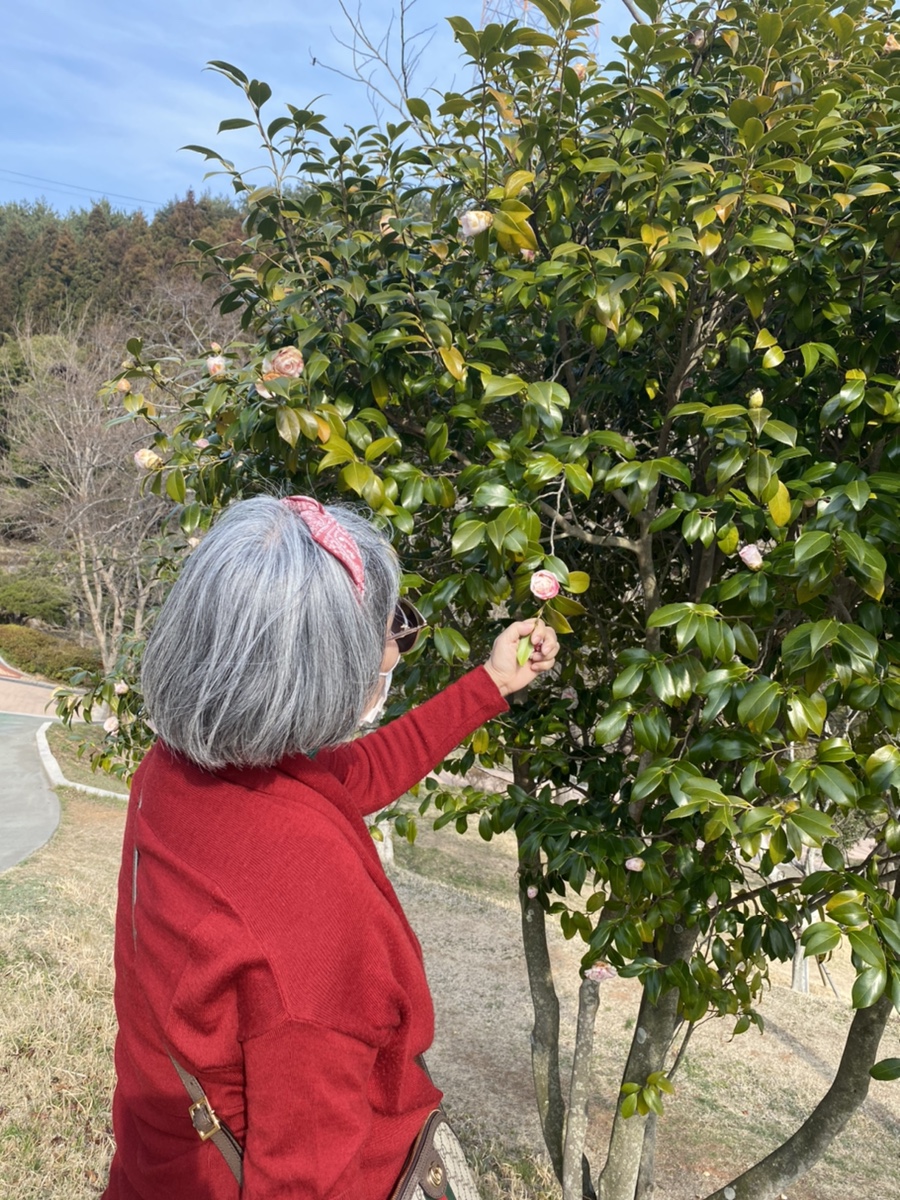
[(70, 483)]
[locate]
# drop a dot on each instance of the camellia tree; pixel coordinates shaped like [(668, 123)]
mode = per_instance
[(637, 326)]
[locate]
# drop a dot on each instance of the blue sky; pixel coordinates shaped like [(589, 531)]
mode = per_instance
[(97, 96)]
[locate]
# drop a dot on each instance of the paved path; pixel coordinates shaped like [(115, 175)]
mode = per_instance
[(29, 810)]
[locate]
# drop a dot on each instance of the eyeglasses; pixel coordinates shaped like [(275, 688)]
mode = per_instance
[(406, 625)]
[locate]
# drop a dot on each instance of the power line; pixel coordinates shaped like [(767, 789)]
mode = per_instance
[(58, 183)]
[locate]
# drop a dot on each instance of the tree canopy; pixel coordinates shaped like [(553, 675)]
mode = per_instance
[(634, 324)]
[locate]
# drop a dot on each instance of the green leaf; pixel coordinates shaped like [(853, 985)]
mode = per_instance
[(868, 987), (467, 536), (820, 938), (886, 1070), (759, 708), (769, 27), (493, 495), (288, 425), (579, 581)]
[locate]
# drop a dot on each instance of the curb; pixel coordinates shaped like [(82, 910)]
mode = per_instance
[(55, 775)]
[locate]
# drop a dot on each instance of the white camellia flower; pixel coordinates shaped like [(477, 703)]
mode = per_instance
[(634, 864), (475, 221), (216, 364), (121, 688), (111, 724)]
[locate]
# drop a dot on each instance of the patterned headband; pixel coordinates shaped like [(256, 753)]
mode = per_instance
[(331, 536)]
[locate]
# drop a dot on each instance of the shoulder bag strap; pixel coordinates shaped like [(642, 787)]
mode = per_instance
[(208, 1126)]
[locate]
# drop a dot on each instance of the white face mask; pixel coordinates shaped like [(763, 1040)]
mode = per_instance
[(378, 707)]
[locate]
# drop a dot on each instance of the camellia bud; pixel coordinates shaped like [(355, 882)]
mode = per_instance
[(634, 864), (124, 385), (755, 399), (148, 460), (111, 725), (121, 688), (215, 347), (532, 892), (751, 557), (600, 972)]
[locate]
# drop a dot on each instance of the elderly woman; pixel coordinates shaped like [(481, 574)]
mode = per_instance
[(259, 944)]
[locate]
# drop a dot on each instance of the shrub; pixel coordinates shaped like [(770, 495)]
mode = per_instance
[(43, 654), (25, 595)]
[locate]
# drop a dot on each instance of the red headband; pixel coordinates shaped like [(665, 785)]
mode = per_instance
[(331, 536)]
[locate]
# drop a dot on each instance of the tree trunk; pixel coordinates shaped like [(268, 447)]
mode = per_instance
[(770, 1177), (652, 1038), (545, 1031), (579, 1091)]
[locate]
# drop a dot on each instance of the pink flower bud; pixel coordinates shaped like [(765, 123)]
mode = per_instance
[(475, 221), (544, 585), (527, 255), (216, 364), (111, 724), (121, 688), (532, 892), (148, 460), (634, 864), (600, 972), (285, 363), (751, 557), (201, 443), (215, 347)]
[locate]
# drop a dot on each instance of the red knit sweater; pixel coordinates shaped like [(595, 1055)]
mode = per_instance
[(260, 941)]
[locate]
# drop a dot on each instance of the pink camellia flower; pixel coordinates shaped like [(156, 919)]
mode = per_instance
[(544, 585), (600, 972), (634, 864), (751, 557), (148, 460), (121, 688), (284, 363), (580, 70), (216, 364), (201, 443), (475, 221), (532, 892), (527, 255), (111, 724)]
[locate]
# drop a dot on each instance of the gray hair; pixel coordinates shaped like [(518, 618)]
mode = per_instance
[(263, 647)]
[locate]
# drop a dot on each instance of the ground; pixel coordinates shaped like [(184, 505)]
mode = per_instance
[(735, 1099)]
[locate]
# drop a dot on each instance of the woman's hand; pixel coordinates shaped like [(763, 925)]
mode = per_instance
[(503, 665)]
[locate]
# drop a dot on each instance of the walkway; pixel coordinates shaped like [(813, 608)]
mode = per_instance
[(29, 809)]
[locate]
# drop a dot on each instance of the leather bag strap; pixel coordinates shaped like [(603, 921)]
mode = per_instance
[(208, 1126)]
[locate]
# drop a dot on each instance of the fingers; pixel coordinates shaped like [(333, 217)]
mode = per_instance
[(546, 647)]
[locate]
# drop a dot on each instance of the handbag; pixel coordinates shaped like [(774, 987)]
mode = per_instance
[(435, 1168)]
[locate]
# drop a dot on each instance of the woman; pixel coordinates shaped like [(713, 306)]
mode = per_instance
[(258, 941)]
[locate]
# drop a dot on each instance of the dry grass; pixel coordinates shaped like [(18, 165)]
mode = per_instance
[(56, 1033)]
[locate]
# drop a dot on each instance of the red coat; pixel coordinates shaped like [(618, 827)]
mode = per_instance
[(261, 941)]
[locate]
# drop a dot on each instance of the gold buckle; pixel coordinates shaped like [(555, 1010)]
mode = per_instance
[(203, 1112)]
